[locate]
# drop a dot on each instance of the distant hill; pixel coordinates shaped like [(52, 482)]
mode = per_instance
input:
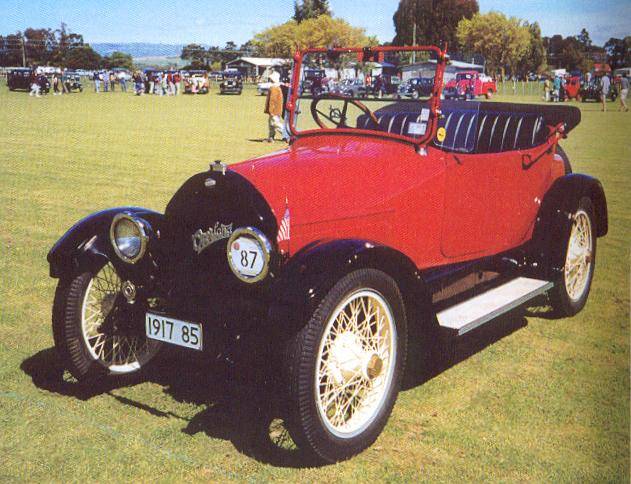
[(159, 61), (139, 49)]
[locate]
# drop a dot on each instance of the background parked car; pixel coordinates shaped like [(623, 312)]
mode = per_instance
[(351, 88), (19, 78), (591, 91), (469, 85), (231, 84), (195, 82), (72, 81), (573, 88), (416, 87)]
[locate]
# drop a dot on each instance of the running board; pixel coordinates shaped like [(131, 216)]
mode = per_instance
[(481, 309)]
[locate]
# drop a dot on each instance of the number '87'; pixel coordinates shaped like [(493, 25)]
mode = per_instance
[(248, 258)]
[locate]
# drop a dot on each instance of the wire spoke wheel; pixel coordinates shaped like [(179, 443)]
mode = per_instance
[(355, 363), (106, 336), (578, 259)]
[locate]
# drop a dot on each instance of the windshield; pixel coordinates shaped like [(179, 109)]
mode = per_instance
[(385, 91)]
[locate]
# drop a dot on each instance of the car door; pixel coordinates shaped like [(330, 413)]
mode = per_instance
[(517, 180), (466, 205), (466, 197)]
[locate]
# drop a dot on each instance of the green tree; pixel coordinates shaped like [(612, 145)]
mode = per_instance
[(503, 41), (309, 9), (65, 42), (618, 52), (83, 57), (196, 55), (436, 20), (229, 52), (118, 59), (324, 31), (573, 55), (11, 50), (248, 49), (534, 59), (40, 45), (584, 40)]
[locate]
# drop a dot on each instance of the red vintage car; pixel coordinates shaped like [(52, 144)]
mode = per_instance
[(384, 220), (573, 88), (469, 85)]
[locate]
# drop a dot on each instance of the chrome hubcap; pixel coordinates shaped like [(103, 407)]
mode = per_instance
[(578, 260), (356, 362)]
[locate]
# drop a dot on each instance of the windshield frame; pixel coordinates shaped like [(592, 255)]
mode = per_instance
[(433, 102)]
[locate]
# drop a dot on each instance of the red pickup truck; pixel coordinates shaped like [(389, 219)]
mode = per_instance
[(469, 85)]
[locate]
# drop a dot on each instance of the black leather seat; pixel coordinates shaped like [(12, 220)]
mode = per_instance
[(478, 127)]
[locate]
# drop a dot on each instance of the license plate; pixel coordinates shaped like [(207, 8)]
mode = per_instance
[(174, 331)]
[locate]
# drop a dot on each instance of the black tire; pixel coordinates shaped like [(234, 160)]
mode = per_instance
[(305, 357), (566, 160), (565, 301), (71, 341)]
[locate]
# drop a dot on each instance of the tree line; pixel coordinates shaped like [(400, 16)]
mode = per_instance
[(56, 47), (508, 44)]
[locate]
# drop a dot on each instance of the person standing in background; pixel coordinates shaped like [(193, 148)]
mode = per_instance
[(547, 86), (112, 81), (122, 80), (605, 85), (97, 81), (274, 107), (150, 76), (34, 84), (176, 82), (624, 91), (106, 81), (56, 84)]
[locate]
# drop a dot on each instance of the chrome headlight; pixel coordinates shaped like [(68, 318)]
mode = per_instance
[(249, 254), (129, 237)]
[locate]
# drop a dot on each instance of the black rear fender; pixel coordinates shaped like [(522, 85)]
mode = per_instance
[(87, 245), (312, 272), (554, 218)]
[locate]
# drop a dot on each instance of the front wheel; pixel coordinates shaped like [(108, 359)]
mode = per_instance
[(578, 246), (96, 331), (345, 366)]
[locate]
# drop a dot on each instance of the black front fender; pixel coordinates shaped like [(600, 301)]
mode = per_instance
[(86, 244), (311, 273)]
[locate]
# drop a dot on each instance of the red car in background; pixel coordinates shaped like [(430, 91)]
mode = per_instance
[(469, 85), (573, 88)]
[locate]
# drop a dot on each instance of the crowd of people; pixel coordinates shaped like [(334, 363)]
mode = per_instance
[(559, 88)]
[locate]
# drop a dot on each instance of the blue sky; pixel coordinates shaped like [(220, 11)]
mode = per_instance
[(215, 22)]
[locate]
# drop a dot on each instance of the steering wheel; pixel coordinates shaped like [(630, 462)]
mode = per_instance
[(338, 116)]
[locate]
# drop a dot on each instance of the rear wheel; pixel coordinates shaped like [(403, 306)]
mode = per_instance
[(346, 364), (578, 246), (96, 331), (489, 94)]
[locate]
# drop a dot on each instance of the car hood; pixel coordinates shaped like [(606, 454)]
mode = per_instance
[(323, 179)]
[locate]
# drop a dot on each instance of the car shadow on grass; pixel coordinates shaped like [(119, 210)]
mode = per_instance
[(243, 402), (423, 366)]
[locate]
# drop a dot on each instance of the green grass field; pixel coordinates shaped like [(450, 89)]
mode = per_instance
[(530, 399)]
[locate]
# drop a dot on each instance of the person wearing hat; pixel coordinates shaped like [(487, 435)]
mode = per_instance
[(274, 107)]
